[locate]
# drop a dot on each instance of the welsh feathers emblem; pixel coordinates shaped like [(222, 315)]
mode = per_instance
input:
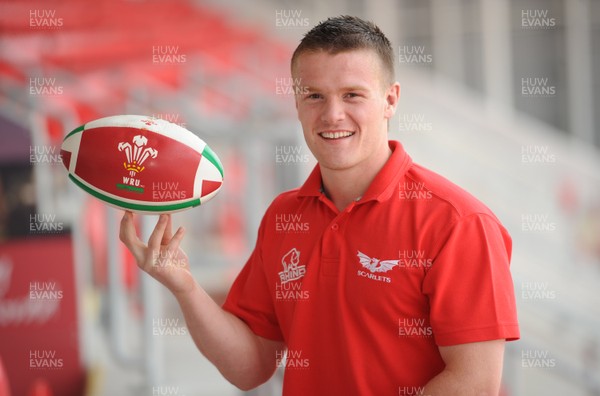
[(136, 154), (376, 265)]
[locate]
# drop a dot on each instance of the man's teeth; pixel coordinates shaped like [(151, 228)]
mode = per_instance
[(336, 135)]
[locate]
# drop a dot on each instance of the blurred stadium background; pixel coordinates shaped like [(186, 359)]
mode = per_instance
[(500, 96)]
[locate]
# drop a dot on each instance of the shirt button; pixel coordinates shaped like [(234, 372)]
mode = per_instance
[(335, 227)]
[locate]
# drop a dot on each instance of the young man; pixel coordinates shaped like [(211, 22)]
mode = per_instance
[(401, 282)]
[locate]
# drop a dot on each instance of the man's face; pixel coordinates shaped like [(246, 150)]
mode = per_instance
[(344, 105)]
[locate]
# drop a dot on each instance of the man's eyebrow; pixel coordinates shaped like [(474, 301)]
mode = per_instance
[(348, 88), (355, 88)]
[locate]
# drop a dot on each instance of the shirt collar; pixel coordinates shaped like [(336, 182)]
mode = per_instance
[(382, 187)]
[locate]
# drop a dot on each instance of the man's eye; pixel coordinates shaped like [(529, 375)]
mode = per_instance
[(352, 95), (314, 96)]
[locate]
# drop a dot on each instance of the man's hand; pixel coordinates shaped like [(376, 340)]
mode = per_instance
[(161, 258)]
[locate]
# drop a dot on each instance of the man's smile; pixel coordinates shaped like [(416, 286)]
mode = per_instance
[(332, 135)]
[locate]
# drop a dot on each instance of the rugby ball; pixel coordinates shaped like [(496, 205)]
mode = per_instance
[(142, 164)]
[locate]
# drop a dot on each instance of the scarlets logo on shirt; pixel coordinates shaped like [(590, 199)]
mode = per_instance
[(291, 269), (375, 266)]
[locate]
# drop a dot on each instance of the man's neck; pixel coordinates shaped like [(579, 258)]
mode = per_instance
[(348, 185)]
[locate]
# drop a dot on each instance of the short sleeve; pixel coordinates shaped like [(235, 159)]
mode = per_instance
[(469, 285), (250, 299)]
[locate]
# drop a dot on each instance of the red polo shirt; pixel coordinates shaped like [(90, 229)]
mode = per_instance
[(362, 298)]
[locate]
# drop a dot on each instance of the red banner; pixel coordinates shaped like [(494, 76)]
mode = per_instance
[(38, 316)]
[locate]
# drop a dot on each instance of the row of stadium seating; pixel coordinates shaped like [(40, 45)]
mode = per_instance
[(98, 55)]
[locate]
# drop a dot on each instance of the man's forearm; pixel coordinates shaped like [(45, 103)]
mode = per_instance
[(472, 369), (448, 383), (445, 383), (243, 358)]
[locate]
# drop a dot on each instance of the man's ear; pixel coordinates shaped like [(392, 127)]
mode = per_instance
[(392, 96)]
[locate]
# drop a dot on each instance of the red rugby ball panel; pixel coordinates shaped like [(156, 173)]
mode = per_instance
[(142, 164)]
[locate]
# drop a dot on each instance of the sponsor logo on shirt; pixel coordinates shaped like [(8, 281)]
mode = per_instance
[(291, 268), (375, 267)]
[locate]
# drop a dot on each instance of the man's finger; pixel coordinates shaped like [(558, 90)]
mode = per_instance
[(176, 240), (128, 236), (168, 231), (157, 235)]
